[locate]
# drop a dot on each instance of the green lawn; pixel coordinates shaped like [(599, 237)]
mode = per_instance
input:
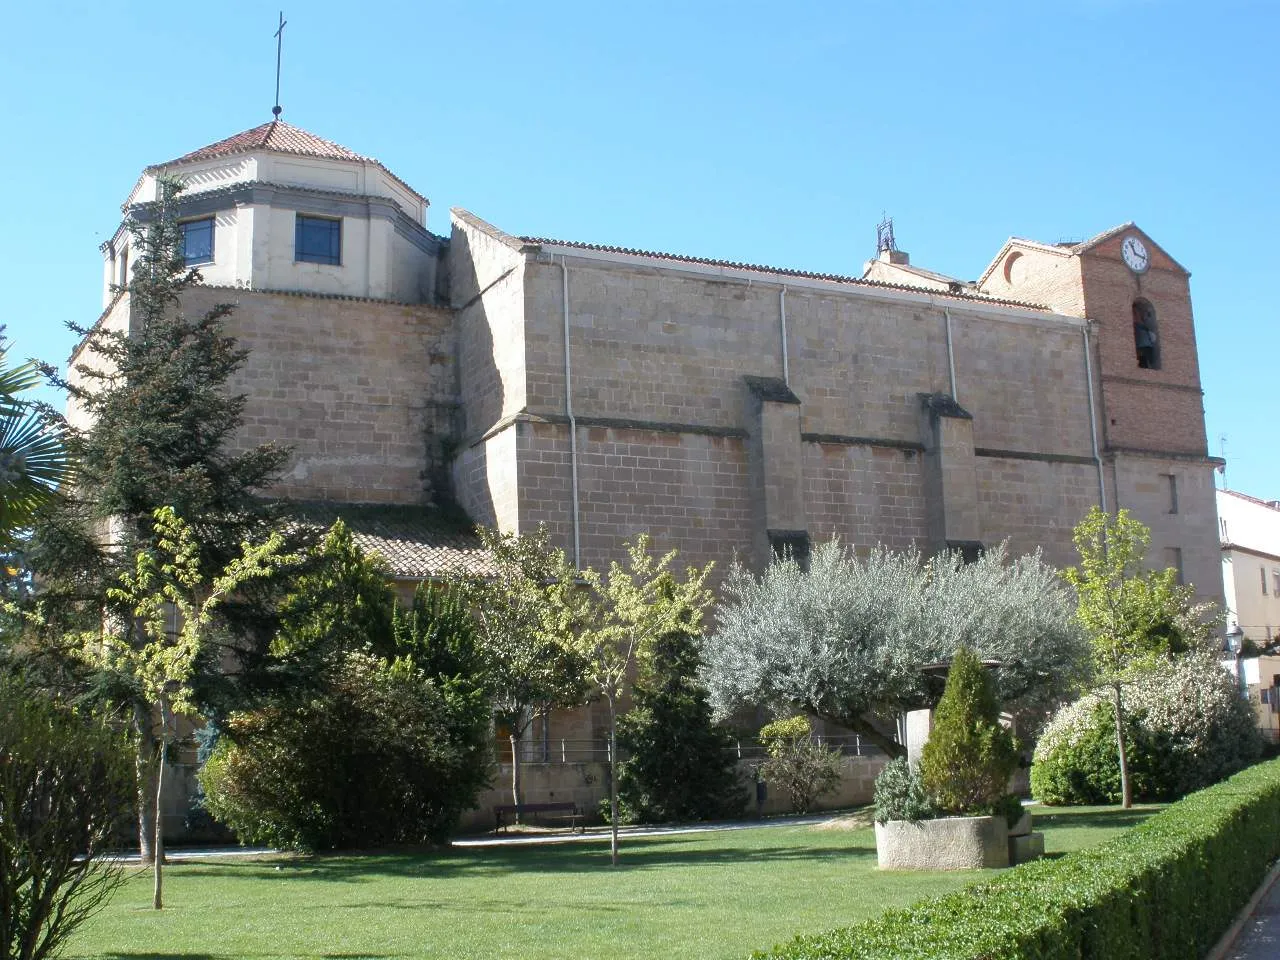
[(719, 894)]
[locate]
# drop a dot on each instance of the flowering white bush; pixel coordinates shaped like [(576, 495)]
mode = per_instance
[(1187, 727)]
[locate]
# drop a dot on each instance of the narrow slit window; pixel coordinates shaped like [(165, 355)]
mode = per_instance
[(1172, 481), (1263, 571), (1146, 339)]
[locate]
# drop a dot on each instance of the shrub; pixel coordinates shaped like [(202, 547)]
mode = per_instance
[(1186, 727), (966, 765), (900, 794), (66, 787), (1165, 890), (383, 755), (805, 768), (681, 765)]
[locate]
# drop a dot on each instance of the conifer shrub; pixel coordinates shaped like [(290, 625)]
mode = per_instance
[(966, 765), (681, 765)]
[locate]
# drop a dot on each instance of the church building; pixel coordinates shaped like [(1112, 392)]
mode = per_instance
[(724, 408)]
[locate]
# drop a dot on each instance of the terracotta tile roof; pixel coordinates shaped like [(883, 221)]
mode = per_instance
[(416, 543), (280, 137), (785, 272)]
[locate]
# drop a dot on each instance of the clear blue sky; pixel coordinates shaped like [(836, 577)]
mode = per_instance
[(773, 133)]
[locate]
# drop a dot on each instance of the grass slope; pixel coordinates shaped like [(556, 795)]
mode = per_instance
[(709, 895)]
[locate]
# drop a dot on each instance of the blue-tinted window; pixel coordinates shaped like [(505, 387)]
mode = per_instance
[(197, 241), (317, 240)]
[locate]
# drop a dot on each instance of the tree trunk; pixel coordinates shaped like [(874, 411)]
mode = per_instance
[(144, 766), (862, 728), (157, 899), (515, 773), (613, 779), (1126, 789)]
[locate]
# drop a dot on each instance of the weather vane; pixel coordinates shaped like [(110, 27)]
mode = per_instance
[(279, 44)]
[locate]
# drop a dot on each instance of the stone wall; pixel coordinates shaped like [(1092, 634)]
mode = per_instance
[(688, 491), (364, 391)]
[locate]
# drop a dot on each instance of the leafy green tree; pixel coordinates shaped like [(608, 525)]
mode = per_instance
[(66, 782), (439, 631), (806, 768), (635, 605), (157, 422), (340, 602), (157, 418), (846, 639), (966, 765), (384, 736), (1133, 617), (527, 615), (680, 765), (382, 754), (171, 606)]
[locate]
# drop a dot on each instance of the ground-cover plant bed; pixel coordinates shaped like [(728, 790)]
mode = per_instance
[(1166, 889), (704, 895)]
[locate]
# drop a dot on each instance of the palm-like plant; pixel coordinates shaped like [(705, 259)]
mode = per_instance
[(33, 455)]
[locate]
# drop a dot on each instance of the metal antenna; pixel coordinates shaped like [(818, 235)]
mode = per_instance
[(279, 44)]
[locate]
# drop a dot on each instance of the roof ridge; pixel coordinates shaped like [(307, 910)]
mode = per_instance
[(785, 271)]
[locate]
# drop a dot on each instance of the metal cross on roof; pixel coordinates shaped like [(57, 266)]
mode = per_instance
[(279, 35)]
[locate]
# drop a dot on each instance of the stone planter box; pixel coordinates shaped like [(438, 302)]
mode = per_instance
[(949, 843), (1022, 827)]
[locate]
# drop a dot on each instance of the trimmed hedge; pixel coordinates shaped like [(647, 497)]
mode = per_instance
[(1166, 889)]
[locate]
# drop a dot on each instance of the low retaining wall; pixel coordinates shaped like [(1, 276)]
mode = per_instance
[(949, 843), (587, 784)]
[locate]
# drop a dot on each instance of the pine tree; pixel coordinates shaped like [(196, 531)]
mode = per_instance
[(161, 419), (681, 765), (157, 427)]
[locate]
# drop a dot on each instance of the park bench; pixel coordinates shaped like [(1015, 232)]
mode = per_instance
[(565, 810)]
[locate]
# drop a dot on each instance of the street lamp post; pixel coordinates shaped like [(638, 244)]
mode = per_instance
[(1235, 644)]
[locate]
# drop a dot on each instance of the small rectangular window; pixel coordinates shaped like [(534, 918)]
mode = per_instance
[(1275, 582), (1263, 571), (1173, 559), (1172, 480), (317, 240), (197, 241), (792, 545)]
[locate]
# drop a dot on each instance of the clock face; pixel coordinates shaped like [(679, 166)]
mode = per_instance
[(1135, 254)]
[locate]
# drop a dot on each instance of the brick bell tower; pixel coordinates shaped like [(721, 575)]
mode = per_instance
[(1148, 398)]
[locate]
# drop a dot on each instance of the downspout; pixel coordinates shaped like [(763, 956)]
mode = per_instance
[(573, 421), (782, 313), (951, 355), (1093, 421)]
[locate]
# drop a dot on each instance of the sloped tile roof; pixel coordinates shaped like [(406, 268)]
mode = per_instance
[(784, 272), (417, 543), (278, 136)]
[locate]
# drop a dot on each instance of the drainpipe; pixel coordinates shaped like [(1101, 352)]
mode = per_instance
[(1093, 420), (573, 421), (951, 356), (782, 313)]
